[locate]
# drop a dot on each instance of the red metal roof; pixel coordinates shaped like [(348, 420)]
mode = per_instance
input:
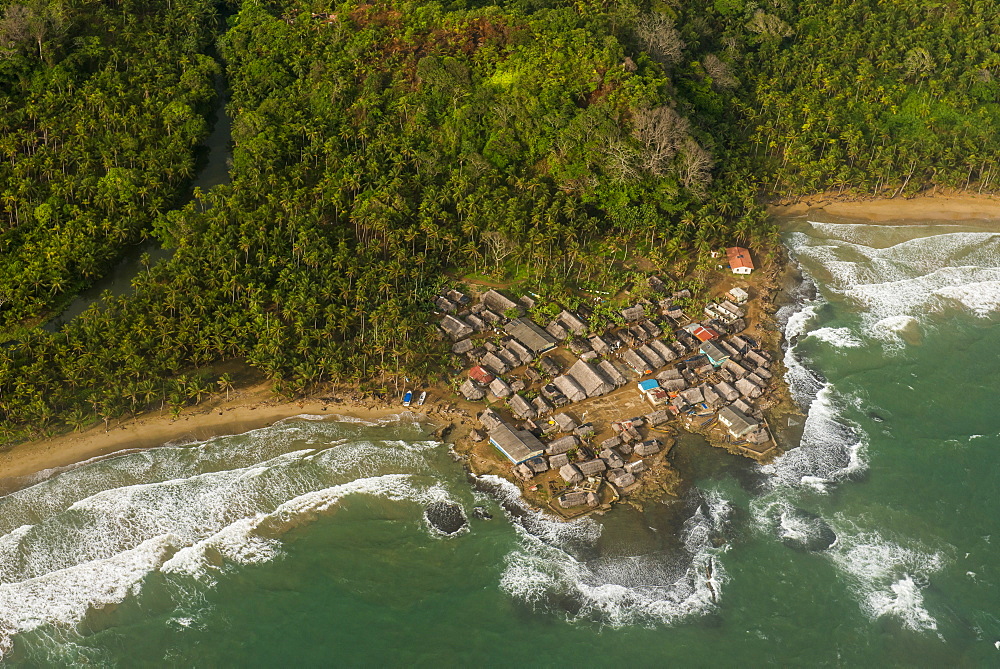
[(704, 334), (739, 257), (479, 374)]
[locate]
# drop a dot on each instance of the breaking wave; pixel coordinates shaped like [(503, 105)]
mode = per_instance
[(837, 337), (557, 568), (887, 578), (831, 447), (900, 288), (78, 543), (897, 291)]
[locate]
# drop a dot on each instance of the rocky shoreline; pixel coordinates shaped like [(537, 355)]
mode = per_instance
[(593, 458)]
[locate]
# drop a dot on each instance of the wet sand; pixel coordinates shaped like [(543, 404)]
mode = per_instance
[(962, 207), (245, 410)]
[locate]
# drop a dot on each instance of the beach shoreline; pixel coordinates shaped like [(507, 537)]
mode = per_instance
[(258, 406), (941, 206), (248, 409)]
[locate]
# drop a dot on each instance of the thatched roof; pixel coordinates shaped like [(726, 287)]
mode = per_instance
[(541, 406), (549, 366), (635, 313), (531, 335), (561, 445), (693, 396), (476, 322), (497, 302), (512, 359), (673, 385), (747, 388), (592, 381), (599, 344), (570, 473), (612, 458), (712, 398), (556, 329), (521, 407), (490, 418), (611, 442), (565, 422), (663, 350), (455, 328), (636, 467), (651, 356), (537, 465), (445, 305), (557, 461), (519, 351), (457, 296), (660, 417), (591, 467), (499, 388), (571, 499), (735, 368), (636, 362), (568, 386), (651, 328), (495, 363), (612, 373), (621, 478), (573, 323), (472, 391), (648, 447), (727, 391), (668, 374)]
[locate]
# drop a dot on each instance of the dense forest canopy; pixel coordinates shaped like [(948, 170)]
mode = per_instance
[(97, 135), (873, 97), (381, 148)]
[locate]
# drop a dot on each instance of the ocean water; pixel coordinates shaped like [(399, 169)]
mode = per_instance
[(306, 543)]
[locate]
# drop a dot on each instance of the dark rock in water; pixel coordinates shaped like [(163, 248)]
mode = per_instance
[(805, 531), (445, 517), (481, 513)]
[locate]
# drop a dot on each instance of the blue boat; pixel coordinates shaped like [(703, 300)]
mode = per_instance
[(407, 398)]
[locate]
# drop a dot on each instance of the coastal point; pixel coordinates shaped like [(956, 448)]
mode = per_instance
[(581, 406)]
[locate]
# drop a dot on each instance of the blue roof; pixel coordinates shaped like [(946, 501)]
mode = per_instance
[(649, 384)]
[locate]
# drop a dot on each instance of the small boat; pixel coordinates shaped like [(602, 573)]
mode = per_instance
[(407, 398), (423, 398)]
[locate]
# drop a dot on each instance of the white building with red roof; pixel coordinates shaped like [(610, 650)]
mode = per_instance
[(739, 260)]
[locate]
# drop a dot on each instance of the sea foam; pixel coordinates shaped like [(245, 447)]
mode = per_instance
[(899, 288), (887, 577), (555, 568), (78, 542)]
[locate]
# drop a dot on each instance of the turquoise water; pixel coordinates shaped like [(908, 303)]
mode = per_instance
[(305, 543)]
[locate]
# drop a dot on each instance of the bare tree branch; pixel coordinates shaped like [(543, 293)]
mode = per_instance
[(718, 69), (662, 130), (695, 167), (660, 38)]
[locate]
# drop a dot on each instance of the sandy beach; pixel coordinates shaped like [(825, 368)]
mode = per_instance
[(257, 407), (943, 207), (245, 410)]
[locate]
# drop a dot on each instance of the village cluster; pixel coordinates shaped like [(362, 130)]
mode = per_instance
[(702, 373)]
